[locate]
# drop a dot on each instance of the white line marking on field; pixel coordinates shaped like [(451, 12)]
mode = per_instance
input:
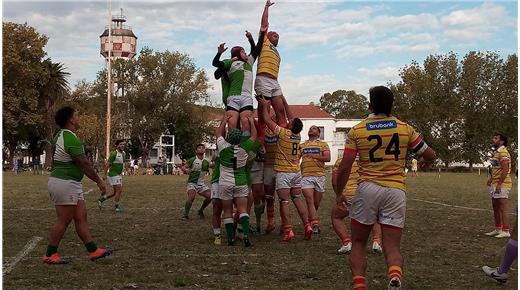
[(126, 208), (451, 205), (8, 267), (88, 191), (179, 255)]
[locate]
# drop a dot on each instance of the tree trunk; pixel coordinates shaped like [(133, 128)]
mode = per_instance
[(446, 165), (470, 166)]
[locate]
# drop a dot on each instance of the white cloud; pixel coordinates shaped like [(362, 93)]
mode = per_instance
[(476, 23)]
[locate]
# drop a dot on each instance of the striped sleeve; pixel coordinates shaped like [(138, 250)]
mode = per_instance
[(416, 142), (350, 143)]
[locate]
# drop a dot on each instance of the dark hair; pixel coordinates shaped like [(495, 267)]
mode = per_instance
[(381, 100), (199, 145), (119, 141), (502, 137), (319, 130), (63, 115), (297, 126)]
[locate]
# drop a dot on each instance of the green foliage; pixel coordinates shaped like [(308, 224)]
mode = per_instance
[(153, 94), (457, 105), (345, 104)]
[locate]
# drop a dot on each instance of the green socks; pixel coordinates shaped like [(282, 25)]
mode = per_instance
[(51, 250), (205, 204), (230, 229), (244, 221), (259, 211), (91, 247), (187, 208)]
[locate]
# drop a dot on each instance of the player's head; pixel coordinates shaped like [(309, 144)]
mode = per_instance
[(234, 136), (120, 144), (200, 149), (296, 125), (65, 117), (499, 140), (381, 100), (239, 52), (273, 37), (314, 131)]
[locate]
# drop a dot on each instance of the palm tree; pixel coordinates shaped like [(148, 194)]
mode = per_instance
[(53, 90)]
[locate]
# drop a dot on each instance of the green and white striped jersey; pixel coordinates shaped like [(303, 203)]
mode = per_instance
[(116, 160), (240, 76), (233, 162), (197, 167), (66, 145)]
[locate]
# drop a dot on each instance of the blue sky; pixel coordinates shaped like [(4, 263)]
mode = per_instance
[(324, 45)]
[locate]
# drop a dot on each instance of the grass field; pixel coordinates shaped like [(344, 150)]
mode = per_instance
[(443, 247)]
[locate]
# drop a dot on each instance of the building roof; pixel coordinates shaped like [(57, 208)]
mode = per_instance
[(306, 112)]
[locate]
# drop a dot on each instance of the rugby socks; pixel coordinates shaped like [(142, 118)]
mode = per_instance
[(244, 221), (505, 228), (51, 250), (230, 229), (91, 247), (205, 204), (187, 208), (394, 272), (498, 227), (359, 283), (509, 256), (216, 231), (259, 211), (270, 209), (345, 240), (314, 222)]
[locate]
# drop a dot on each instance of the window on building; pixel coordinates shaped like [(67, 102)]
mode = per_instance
[(322, 132)]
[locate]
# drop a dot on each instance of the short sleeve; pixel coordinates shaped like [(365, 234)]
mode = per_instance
[(248, 145), (190, 161), (72, 144), (350, 142), (227, 64), (112, 157), (415, 138), (324, 147), (222, 144)]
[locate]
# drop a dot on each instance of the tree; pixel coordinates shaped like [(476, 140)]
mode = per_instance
[(427, 98), (161, 93), (345, 104), (23, 74), (458, 105), (54, 89)]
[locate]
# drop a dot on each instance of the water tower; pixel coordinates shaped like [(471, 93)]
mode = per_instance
[(124, 41), (118, 41)]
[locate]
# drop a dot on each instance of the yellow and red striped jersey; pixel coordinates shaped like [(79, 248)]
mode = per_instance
[(382, 143), (310, 166), (352, 183), (269, 60), (496, 167), (271, 146), (287, 158)]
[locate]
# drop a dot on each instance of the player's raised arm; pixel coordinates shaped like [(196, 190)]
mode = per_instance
[(265, 113), (265, 15), (216, 60), (254, 133)]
